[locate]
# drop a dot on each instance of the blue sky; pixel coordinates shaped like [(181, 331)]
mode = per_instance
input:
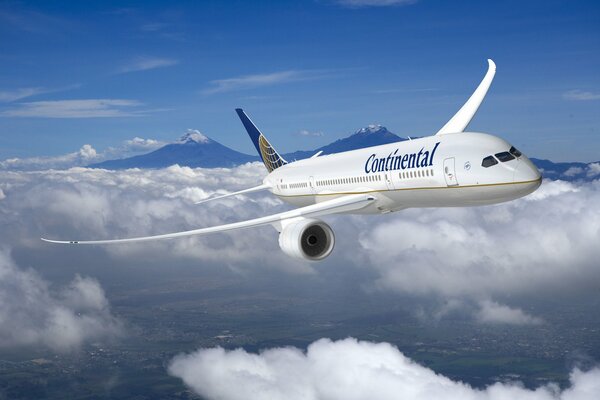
[(73, 73)]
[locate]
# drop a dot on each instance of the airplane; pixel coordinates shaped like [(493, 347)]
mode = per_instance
[(452, 168)]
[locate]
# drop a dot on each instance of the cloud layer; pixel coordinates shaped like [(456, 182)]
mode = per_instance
[(85, 156), (33, 315), (478, 257), (346, 369), (543, 242)]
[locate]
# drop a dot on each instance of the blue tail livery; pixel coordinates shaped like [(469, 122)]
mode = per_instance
[(268, 154)]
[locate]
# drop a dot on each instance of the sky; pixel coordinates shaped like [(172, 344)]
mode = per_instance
[(307, 72)]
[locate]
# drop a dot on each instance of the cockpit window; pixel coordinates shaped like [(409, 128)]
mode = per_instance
[(504, 156), (515, 152), (488, 162)]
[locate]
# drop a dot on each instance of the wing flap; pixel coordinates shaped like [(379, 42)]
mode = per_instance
[(460, 120), (333, 206)]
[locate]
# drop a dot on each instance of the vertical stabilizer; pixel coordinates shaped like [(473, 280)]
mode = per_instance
[(268, 154)]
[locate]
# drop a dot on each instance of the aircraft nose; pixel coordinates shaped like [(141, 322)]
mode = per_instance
[(526, 171)]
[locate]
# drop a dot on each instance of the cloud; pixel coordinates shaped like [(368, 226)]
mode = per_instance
[(259, 80), (153, 27), (580, 95), (540, 245), (21, 93), (543, 242), (572, 171), (84, 156), (494, 313), (147, 63), (87, 203), (7, 96), (346, 369), (33, 315), (374, 3), (593, 170), (89, 108), (304, 132)]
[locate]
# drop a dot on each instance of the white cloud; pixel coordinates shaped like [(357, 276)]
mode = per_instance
[(304, 132), (580, 95), (493, 313), (33, 315), (89, 203), (543, 242), (593, 170), (259, 80), (346, 369), (7, 96), (88, 108), (84, 156), (147, 63), (141, 144), (572, 171), (374, 3), (21, 93)]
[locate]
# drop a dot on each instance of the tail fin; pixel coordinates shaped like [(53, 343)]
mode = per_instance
[(268, 154)]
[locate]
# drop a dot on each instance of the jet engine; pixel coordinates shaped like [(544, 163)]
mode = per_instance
[(308, 239)]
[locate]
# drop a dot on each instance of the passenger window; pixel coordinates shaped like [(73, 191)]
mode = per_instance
[(505, 156), (515, 152), (488, 162)]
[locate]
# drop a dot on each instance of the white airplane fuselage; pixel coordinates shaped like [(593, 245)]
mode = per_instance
[(452, 168), (434, 171)]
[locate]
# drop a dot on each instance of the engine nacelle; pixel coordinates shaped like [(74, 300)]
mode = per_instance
[(308, 239)]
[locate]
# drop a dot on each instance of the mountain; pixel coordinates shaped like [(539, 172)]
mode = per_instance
[(193, 150), (372, 135), (197, 150)]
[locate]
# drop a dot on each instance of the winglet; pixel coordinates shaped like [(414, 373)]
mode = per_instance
[(463, 117)]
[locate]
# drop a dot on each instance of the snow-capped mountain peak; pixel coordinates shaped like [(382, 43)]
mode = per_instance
[(193, 136), (373, 128)]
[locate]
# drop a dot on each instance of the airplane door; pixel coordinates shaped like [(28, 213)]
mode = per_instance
[(388, 181), (311, 182), (450, 172)]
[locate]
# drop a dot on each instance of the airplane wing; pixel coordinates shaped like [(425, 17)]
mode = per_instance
[(250, 190), (461, 119), (333, 206)]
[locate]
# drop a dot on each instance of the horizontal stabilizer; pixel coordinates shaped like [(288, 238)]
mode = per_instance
[(249, 190), (461, 119)]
